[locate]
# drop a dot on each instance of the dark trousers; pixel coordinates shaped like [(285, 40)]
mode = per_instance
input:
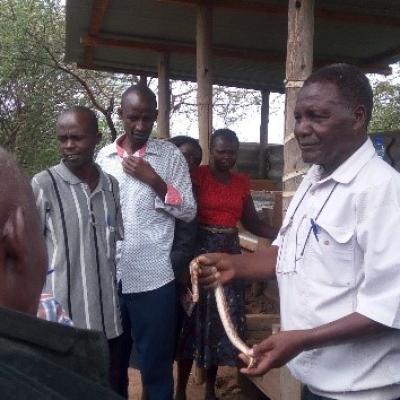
[(126, 344), (116, 352), (153, 318), (308, 395)]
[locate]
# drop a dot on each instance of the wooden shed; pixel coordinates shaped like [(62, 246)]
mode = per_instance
[(269, 45)]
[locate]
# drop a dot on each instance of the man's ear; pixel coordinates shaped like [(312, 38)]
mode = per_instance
[(119, 111), (13, 239), (360, 117), (155, 115)]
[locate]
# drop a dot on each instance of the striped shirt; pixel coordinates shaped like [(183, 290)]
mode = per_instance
[(144, 256), (81, 229)]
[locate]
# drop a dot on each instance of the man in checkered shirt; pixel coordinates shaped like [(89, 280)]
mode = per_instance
[(155, 189)]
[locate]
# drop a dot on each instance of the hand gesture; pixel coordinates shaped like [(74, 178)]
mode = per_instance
[(139, 168), (276, 351)]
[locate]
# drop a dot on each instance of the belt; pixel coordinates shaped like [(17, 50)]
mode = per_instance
[(218, 229)]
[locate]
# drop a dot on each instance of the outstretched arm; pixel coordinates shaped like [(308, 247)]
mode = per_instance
[(252, 222)]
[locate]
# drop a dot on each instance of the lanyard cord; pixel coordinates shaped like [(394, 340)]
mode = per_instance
[(316, 217), (290, 223), (299, 203), (309, 232)]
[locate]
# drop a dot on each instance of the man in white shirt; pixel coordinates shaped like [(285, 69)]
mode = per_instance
[(336, 257), (155, 189)]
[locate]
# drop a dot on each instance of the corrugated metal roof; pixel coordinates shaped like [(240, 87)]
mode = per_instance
[(263, 36)]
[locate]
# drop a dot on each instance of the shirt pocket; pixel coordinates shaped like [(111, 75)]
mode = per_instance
[(333, 255)]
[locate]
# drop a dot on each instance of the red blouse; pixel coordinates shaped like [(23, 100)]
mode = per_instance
[(218, 203)]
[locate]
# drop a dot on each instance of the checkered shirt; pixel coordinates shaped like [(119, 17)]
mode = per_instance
[(143, 257)]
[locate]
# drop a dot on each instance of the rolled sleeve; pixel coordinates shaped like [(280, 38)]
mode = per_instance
[(173, 197), (179, 200), (378, 234)]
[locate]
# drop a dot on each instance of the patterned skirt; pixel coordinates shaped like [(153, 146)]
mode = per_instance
[(203, 337)]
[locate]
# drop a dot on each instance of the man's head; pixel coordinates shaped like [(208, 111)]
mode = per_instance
[(77, 135), (332, 113), (23, 258), (138, 113)]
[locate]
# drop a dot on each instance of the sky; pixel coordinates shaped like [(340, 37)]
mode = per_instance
[(248, 129)]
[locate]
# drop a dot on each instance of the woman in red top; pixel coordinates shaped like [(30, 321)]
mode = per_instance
[(223, 199)]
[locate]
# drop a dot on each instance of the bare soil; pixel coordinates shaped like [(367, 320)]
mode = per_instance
[(227, 387), (260, 298)]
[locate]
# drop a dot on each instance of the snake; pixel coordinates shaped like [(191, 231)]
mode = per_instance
[(223, 311)]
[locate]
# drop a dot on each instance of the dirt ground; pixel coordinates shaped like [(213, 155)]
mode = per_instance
[(227, 387), (260, 298)]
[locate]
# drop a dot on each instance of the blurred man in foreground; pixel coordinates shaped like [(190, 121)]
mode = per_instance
[(38, 359)]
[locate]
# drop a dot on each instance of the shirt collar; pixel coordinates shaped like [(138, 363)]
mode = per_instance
[(349, 169), (64, 172), (149, 148)]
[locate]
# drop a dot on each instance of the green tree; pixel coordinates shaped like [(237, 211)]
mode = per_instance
[(386, 114), (36, 84)]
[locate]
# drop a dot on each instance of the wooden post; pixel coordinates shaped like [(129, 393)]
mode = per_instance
[(298, 68), (263, 133), (204, 76), (142, 80), (163, 97)]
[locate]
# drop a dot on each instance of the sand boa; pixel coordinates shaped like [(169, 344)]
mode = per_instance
[(223, 311)]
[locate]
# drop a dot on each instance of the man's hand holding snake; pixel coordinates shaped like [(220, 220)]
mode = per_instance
[(215, 268), (276, 351)]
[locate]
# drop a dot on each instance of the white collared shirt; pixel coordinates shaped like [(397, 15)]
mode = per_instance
[(143, 258), (349, 262)]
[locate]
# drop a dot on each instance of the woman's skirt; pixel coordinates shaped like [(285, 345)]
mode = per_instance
[(203, 337)]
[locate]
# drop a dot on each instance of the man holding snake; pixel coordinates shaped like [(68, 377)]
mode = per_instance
[(336, 256)]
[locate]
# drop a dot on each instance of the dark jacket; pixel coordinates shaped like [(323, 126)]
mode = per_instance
[(45, 360)]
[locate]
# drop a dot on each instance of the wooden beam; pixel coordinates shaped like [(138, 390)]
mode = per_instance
[(181, 76), (182, 48), (298, 67), (204, 77), (388, 57), (262, 162), (257, 7), (164, 97), (162, 46), (96, 21)]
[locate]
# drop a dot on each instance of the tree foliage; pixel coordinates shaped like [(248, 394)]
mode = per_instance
[(36, 84), (386, 115)]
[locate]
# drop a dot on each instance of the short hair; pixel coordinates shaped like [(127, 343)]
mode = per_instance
[(90, 114), (141, 90), (351, 83), (225, 134)]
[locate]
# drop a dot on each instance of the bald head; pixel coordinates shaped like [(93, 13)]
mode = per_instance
[(23, 261)]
